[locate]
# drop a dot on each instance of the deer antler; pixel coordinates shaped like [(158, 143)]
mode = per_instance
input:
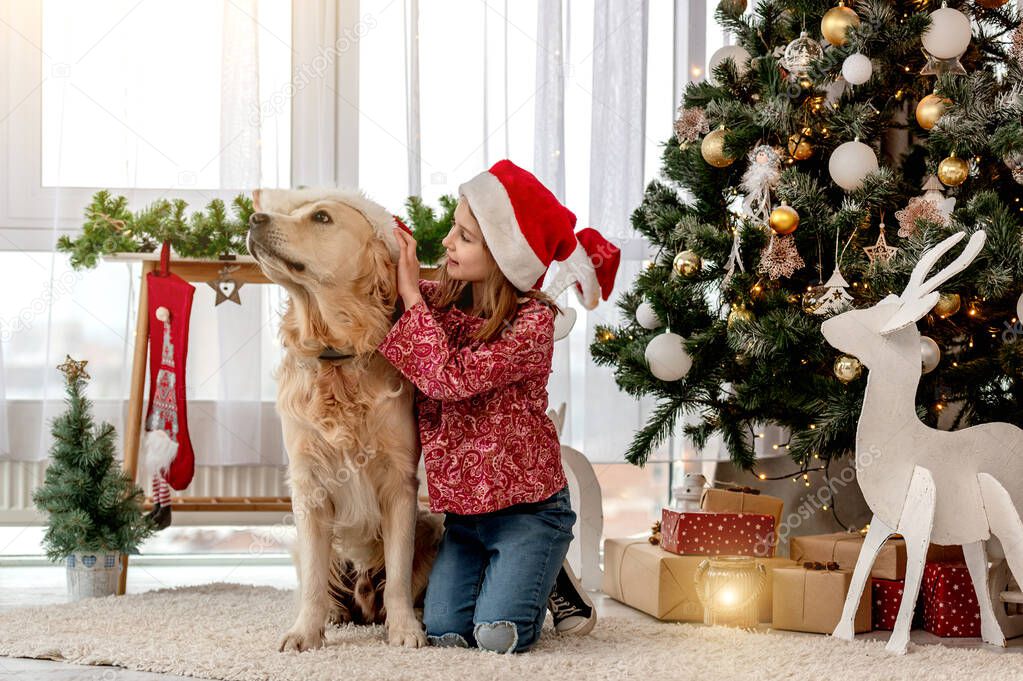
[(920, 294)]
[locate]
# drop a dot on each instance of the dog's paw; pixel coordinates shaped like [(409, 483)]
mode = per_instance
[(300, 639), (409, 635)]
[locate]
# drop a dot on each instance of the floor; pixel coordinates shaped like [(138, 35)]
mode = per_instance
[(41, 585)]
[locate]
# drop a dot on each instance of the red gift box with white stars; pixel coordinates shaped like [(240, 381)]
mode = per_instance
[(704, 533), (887, 597), (950, 603)]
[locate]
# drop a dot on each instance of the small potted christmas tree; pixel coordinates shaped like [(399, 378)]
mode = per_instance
[(94, 509)]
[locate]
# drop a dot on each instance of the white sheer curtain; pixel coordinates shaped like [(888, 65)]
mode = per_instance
[(107, 73)]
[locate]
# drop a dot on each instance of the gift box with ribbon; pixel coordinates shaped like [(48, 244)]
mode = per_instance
[(662, 584), (950, 601), (844, 549), (810, 597), (717, 534)]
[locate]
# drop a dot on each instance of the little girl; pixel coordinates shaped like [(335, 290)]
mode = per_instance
[(477, 343)]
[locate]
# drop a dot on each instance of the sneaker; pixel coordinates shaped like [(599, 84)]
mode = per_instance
[(571, 608)]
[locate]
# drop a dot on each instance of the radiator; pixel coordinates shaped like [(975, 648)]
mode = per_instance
[(19, 478)]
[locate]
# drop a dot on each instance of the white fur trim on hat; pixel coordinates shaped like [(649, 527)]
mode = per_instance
[(286, 201), (493, 209), (577, 267)]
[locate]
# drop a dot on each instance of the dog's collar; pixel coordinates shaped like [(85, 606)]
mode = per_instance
[(330, 353)]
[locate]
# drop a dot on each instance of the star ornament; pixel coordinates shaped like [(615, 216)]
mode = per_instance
[(226, 287), (73, 369), (880, 251), (939, 67)]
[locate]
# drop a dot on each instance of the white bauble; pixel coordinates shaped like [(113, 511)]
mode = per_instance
[(850, 163), (646, 317), (737, 53), (930, 354), (948, 35), (667, 357), (857, 68)]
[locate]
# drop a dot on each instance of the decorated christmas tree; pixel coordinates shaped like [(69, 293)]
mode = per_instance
[(828, 148), (92, 505)]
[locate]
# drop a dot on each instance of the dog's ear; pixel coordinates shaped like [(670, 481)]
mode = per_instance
[(255, 199)]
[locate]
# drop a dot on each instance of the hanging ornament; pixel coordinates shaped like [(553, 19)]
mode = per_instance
[(734, 257), (949, 33), (948, 304), (930, 109), (736, 53), (930, 354), (880, 251), (739, 312), (800, 55), (761, 176), (1016, 48), (667, 357), (690, 124), (784, 219), (933, 206), (713, 149), (686, 264), (850, 163), (226, 287), (780, 258), (945, 41), (1014, 162), (647, 317), (847, 368), (829, 298), (953, 171), (836, 23), (799, 145), (733, 7), (857, 69)]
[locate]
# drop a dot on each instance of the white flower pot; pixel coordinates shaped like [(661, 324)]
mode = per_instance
[(92, 574)]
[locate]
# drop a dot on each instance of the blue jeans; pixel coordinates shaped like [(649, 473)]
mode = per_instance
[(493, 573)]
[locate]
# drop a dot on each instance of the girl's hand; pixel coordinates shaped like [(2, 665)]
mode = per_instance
[(408, 269)]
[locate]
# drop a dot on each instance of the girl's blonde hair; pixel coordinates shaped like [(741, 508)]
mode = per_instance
[(499, 302)]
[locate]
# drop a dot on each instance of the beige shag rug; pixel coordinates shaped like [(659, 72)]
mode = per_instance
[(230, 631)]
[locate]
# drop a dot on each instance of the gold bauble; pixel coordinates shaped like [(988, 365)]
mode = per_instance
[(739, 312), (953, 171), (686, 264), (836, 22), (733, 6), (784, 219), (929, 110), (713, 149), (799, 145), (947, 305), (847, 368), (991, 4)]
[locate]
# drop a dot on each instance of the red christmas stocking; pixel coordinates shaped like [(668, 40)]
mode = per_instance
[(166, 447)]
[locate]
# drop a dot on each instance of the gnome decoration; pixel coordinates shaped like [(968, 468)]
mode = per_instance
[(166, 450)]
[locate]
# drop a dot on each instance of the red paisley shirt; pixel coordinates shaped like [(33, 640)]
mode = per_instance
[(482, 406)]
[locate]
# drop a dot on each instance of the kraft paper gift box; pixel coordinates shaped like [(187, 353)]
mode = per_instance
[(812, 600), (844, 548), (661, 584), (717, 534), (729, 501)]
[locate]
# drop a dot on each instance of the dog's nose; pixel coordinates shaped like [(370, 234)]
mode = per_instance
[(258, 219)]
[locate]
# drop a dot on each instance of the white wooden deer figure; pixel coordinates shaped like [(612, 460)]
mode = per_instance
[(947, 487)]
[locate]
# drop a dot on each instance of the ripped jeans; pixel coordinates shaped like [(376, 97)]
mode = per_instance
[(493, 573)]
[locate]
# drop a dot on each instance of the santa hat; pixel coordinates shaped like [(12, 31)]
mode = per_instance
[(526, 228), (285, 201)]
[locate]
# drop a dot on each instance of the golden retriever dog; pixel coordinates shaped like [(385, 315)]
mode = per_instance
[(346, 414)]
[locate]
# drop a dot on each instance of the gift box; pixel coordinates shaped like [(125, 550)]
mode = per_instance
[(887, 599), (662, 584), (950, 601), (844, 549), (717, 534), (733, 501), (812, 600)]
